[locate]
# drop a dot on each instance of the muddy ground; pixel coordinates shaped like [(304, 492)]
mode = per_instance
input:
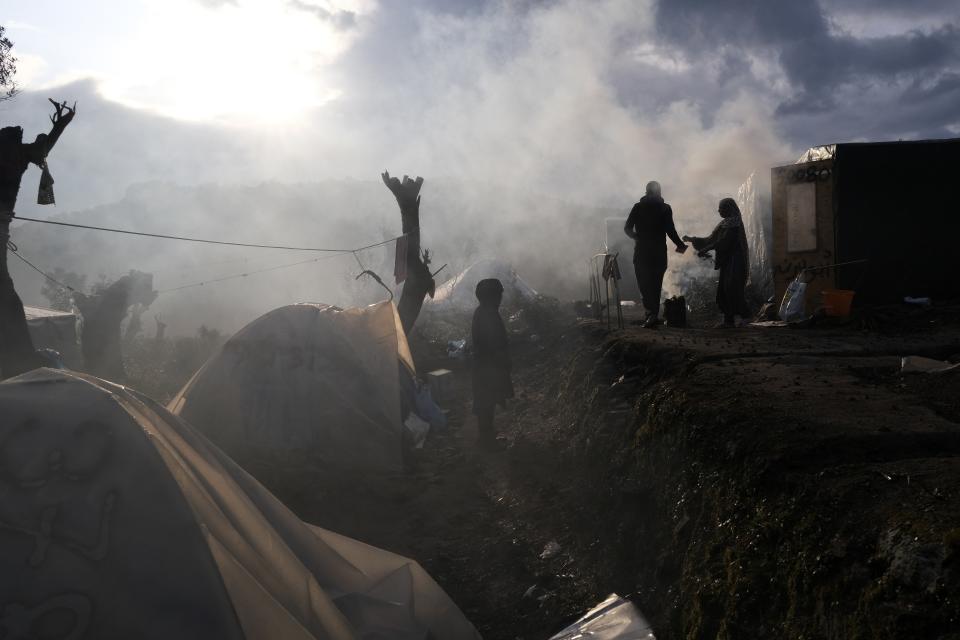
[(754, 483)]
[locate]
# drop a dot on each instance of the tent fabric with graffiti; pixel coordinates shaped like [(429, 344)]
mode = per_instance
[(119, 520)]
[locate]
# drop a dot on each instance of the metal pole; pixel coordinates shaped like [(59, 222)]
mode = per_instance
[(607, 289)]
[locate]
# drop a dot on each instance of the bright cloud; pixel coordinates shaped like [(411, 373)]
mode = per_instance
[(249, 60)]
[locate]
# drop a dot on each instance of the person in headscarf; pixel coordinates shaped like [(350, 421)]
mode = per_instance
[(16, 348), (492, 385), (731, 257), (649, 223)]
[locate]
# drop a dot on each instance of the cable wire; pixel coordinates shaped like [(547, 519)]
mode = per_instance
[(16, 251), (200, 240), (250, 273)]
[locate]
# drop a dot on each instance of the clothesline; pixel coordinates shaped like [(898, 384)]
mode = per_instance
[(164, 236)]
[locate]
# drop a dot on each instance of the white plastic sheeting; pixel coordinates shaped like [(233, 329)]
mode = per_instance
[(306, 376), (814, 154), (753, 196), (118, 520), (55, 330), (459, 291), (613, 619)]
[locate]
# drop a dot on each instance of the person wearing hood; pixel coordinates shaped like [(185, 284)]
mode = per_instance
[(16, 348), (731, 258), (649, 224), (492, 385)]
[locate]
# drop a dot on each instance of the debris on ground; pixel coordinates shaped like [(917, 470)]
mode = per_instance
[(683, 484), (551, 550), (919, 364), (613, 619)]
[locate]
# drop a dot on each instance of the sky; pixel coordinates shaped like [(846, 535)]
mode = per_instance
[(497, 89), (578, 101), (816, 67)]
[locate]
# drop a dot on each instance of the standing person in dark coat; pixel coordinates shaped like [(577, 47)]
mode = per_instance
[(491, 359), (649, 223), (731, 258), (16, 347)]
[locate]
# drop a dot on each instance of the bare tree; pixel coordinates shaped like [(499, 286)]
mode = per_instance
[(103, 312), (8, 68), (60, 298), (419, 282), (16, 347)]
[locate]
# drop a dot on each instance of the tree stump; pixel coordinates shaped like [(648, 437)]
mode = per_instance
[(419, 282)]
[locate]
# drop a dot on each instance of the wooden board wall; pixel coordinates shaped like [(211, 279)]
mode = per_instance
[(787, 264)]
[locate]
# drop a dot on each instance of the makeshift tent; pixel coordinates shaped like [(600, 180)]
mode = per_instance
[(118, 520), (879, 205), (306, 376), (57, 330), (459, 291)]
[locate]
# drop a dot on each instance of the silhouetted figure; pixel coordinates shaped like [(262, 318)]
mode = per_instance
[(649, 223), (731, 258), (419, 281), (491, 359), (16, 348), (103, 313)]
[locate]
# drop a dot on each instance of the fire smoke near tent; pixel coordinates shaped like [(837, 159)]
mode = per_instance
[(458, 293)]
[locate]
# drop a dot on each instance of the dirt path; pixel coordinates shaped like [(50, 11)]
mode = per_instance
[(764, 483)]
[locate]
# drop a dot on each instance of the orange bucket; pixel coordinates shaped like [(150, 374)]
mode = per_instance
[(836, 302)]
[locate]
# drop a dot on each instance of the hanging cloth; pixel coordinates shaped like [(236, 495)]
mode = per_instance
[(611, 267), (45, 193)]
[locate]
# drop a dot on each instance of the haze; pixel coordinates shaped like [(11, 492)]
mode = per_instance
[(270, 121)]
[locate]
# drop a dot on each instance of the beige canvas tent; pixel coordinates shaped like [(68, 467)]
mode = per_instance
[(306, 376), (458, 293), (118, 520)]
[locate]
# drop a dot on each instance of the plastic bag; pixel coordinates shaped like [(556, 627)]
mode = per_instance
[(793, 306), (417, 430), (613, 619), (427, 409), (457, 349)]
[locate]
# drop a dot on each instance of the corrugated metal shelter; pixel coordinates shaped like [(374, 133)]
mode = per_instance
[(892, 204)]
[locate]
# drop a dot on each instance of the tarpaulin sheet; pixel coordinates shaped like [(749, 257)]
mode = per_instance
[(118, 520), (306, 376)]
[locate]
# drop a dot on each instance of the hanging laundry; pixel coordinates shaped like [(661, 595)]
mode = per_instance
[(611, 267)]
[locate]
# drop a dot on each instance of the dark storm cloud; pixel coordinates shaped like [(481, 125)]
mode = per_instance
[(823, 61), (701, 25), (896, 7), (834, 76)]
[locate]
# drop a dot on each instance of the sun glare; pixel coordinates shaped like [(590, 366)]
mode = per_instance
[(249, 61)]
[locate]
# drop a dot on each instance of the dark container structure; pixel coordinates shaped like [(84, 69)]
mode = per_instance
[(894, 205)]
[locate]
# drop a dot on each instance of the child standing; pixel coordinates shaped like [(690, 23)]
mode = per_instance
[(491, 359)]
